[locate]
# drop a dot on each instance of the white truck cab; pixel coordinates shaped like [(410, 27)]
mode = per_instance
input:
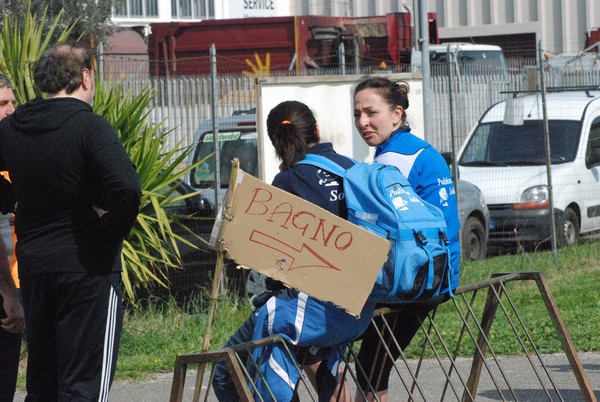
[(465, 58), (506, 159)]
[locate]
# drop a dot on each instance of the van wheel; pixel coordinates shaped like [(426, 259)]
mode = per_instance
[(473, 244), (568, 233)]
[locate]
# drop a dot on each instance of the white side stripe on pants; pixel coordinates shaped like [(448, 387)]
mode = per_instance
[(109, 342)]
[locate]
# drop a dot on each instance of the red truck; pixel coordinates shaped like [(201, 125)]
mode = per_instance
[(297, 44)]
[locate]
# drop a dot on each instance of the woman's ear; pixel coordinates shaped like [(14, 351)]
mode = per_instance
[(397, 115), (318, 132)]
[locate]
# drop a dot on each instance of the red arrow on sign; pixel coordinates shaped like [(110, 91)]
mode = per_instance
[(305, 257)]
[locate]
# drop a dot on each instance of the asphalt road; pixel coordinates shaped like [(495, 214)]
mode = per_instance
[(523, 380)]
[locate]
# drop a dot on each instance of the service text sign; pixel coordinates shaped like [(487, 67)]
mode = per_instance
[(258, 8)]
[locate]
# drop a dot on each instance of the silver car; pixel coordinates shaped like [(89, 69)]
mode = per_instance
[(474, 221), (474, 217)]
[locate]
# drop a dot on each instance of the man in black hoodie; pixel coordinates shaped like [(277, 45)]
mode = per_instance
[(78, 196)]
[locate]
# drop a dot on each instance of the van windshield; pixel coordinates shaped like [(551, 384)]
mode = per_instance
[(498, 144), (232, 144), (471, 62)]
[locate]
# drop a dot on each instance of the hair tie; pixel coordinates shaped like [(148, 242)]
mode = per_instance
[(286, 122), (403, 84)]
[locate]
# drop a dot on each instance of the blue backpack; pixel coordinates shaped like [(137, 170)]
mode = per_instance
[(380, 199)]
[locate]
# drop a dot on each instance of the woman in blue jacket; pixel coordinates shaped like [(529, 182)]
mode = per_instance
[(380, 117), (314, 328)]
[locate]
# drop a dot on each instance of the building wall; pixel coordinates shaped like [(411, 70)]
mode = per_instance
[(221, 9), (559, 26)]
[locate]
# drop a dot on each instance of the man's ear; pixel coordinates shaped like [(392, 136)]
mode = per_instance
[(318, 132), (87, 79)]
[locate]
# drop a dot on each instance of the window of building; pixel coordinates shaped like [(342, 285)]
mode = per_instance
[(192, 8), (136, 8)]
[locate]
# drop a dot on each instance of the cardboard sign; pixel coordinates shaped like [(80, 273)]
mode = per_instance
[(300, 244)]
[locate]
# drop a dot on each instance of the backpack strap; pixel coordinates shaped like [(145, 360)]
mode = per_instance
[(323, 163)]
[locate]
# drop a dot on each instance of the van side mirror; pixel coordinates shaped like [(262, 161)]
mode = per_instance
[(592, 153), (592, 156), (205, 208), (449, 158)]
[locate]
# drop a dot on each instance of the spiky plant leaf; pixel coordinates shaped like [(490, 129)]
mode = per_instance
[(152, 246)]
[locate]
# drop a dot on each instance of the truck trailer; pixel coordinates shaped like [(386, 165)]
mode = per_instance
[(295, 44)]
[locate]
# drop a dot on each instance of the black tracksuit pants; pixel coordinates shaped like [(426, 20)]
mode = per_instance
[(74, 323)]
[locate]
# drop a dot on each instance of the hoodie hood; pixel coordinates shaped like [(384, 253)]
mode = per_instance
[(43, 115)]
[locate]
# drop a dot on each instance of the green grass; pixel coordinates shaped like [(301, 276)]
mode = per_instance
[(573, 282), (154, 335)]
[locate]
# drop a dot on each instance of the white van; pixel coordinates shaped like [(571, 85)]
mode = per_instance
[(465, 58), (507, 161), (238, 138)]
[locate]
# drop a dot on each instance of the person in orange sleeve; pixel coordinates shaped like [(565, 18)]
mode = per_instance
[(7, 231), (12, 319)]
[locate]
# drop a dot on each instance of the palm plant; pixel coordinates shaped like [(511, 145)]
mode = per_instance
[(151, 248), (20, 45), (152, 244)]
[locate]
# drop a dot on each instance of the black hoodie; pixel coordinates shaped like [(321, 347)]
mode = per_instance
[(62, 160)]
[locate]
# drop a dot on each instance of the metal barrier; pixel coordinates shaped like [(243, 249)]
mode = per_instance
[(459, 327)]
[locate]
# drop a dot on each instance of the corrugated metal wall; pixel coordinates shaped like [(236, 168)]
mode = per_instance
[(561, 25)]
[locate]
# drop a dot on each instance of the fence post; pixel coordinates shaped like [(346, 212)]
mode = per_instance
[(489, 312), (215, 128), (565, 338)]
